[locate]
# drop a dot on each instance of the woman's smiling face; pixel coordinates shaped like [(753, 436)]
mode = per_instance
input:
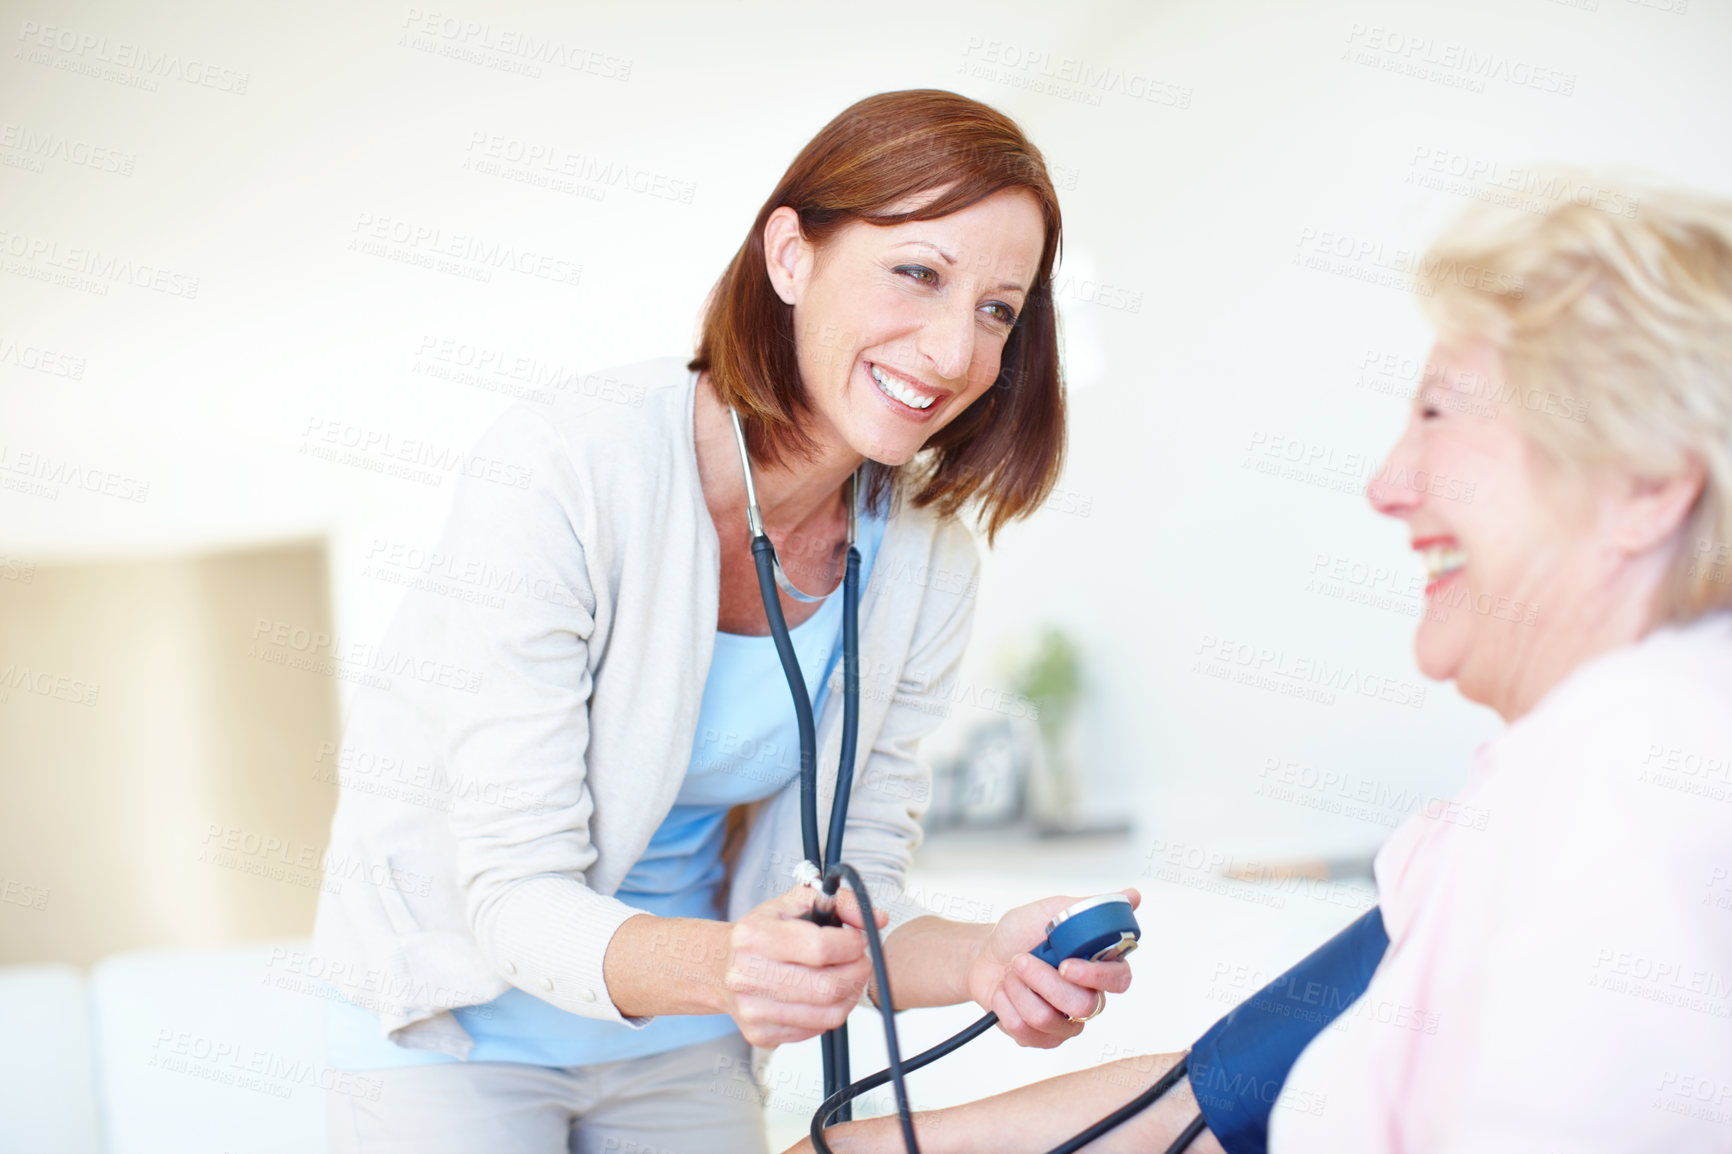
[(900, 328), (1506, 558)]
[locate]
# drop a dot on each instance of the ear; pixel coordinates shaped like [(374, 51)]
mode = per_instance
[(787, 255), (1652, 509)]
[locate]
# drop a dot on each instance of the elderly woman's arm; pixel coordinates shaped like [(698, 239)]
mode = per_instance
[(1034, 1119)]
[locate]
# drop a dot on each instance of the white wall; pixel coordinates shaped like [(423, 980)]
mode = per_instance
[(1263, 128)]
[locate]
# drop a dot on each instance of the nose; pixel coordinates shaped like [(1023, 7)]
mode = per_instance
[(1388, 490), (947, 340)]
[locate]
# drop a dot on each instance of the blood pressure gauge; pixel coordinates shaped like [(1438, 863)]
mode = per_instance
[(1099, 929)]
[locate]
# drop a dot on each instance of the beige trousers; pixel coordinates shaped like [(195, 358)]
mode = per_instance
[(699, 1099)]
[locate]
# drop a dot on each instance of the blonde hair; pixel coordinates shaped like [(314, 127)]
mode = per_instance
[(1611, 309)]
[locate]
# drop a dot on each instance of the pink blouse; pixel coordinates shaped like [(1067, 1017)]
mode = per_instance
[(1559, 972)]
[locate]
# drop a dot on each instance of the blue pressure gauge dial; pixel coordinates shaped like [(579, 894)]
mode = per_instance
[(1099, 929)]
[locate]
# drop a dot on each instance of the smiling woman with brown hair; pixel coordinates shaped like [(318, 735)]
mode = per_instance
[(867, 168), (582, 955)]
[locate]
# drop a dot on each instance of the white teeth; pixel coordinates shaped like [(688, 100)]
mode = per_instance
[(1441, 560), (896, 390)]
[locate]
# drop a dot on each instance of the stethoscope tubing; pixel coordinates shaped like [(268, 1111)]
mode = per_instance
[(839, 1091), (834, 1043)]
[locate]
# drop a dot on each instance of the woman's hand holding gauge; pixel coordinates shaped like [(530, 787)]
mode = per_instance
[(940, 963), (1037, 1004)]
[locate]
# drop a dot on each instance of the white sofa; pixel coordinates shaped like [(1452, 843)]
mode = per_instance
[(162, 1052)]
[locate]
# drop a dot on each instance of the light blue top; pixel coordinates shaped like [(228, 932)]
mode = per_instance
[(746, 747)]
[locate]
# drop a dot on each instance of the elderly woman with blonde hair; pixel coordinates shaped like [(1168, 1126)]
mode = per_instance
[(1571, 956)]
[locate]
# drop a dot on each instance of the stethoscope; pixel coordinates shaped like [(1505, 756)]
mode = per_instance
[(770, 577), (1099, 929)]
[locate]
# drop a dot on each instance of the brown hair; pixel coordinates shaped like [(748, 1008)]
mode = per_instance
[(1006, 448)]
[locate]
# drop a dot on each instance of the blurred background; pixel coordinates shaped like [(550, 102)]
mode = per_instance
[(244, 247)]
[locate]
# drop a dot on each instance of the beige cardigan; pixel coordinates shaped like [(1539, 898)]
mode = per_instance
[(537, 704)]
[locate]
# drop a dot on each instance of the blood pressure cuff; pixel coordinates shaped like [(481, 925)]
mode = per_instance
[(1238, 1067)]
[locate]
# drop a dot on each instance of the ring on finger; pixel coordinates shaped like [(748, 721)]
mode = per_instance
[(1100, 1004)]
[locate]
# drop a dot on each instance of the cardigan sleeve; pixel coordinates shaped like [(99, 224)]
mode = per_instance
[(515, 746)]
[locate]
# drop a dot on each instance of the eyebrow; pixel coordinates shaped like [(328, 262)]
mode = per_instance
[(1003, 286)]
